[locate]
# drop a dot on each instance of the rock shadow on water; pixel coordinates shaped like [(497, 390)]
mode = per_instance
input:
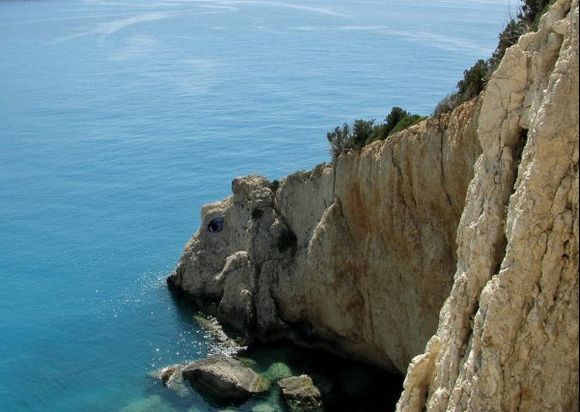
[(345, 385)]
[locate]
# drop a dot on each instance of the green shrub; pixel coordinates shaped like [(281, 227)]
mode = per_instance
[(363, 132), (507, 38), (475, 78), (380, 132), (393, 118), (407, 121), (346, 137), (339, 139), (446, 105), (532, 10), (400, 119), (473, 83)]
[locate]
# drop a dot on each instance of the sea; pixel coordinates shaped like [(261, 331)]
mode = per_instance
[(119, 119)]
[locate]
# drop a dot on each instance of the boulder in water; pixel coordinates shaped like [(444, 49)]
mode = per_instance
[(225, 378), (301, 394)]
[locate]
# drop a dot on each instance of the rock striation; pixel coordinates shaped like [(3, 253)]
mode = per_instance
[(508, 333), (355, 257), (459, 233)]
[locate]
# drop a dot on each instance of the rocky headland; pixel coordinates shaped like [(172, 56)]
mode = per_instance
[(448, 251)]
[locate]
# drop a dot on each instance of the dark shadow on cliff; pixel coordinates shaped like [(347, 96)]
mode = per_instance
[(345, 385)]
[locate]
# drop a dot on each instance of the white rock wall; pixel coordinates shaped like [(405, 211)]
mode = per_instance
[(359, 257), (367, 253), (508, 333)]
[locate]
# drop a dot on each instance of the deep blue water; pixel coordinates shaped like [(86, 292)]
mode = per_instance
[(120, 118)]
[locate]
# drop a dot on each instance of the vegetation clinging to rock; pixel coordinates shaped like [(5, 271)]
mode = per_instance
[(475, 78), (363, 132)]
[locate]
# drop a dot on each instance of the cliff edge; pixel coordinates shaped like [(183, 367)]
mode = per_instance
[(508, 332), (356, 257), (460, 232)]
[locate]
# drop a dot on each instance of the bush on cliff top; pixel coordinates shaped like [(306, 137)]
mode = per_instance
[(475, 78), (362, 132)]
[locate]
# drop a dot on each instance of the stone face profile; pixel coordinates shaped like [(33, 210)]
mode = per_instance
[(345, 257), (448, 251)]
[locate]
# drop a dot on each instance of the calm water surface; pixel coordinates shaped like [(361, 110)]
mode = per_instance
[(120, 118)]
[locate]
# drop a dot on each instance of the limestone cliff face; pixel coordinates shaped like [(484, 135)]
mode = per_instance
[(508, 333), (356, 257), (460, 232)]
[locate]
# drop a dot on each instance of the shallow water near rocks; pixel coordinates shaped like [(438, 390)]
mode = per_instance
[(119, 119), (344, 385)]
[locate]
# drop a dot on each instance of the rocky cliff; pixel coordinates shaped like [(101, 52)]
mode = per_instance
[(508, 332), (464, 226), (355, 257)]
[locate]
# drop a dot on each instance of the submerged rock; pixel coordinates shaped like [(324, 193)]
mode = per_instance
[(172, 378), (167, 373), (278, 370), (152, 403), (225, 378), (301, 394), (223, 343)]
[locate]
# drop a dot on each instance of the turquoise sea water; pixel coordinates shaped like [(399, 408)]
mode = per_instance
[(120, 118)]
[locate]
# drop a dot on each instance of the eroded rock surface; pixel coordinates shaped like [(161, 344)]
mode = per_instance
[(508, 333), (356, 257), (477, 209)]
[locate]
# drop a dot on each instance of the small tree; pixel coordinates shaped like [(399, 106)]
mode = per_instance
[(407, 121), (447, 104), (393, 118), (361, 132), (507, 38), (339, 140), (531, 10), (473, 81)]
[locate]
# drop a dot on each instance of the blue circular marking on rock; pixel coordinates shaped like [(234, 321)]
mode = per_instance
[(216, 225)]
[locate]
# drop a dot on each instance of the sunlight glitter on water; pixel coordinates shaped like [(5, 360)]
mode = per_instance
[(119, 119)]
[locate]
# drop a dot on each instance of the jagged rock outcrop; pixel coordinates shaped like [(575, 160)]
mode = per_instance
[(508, 333), (465, 226), (355, 257)]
